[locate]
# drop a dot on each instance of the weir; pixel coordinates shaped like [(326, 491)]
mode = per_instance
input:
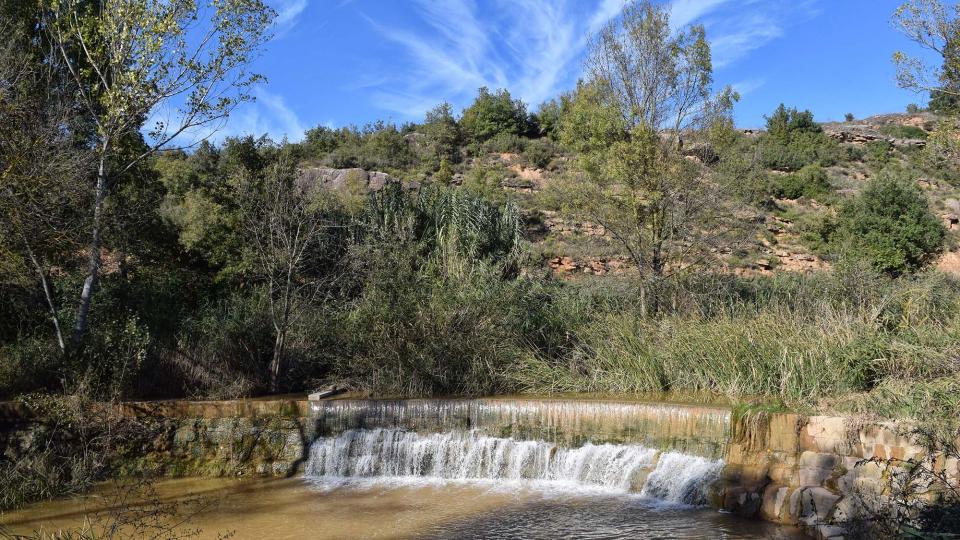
[(662, 451), (696, 430)]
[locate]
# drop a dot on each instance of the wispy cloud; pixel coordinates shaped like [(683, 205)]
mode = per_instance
[(747, 86), (531, 47), (269, 115), (288, 14), (684, 12), (736, 30), (535, 48)]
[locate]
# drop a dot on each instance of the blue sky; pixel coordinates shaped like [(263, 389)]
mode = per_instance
[(339, 62)]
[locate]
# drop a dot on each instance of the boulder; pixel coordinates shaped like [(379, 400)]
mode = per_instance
[(345, 179)]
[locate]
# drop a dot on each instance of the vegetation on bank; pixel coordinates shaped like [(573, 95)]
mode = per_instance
[(221, 272), (133, 270)]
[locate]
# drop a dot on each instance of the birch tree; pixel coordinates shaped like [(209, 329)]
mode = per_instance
[(171, 70), (648, 86)]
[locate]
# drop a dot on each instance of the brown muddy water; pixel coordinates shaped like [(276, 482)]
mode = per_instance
[(393, 509)]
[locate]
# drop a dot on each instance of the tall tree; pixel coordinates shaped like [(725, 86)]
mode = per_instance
[(42, 164), (648, 87), (182, 64), (286, 223), (935, 26)]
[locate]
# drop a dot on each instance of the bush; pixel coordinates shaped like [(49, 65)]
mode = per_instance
[(899, 131), (890, 225), (492, 114), (800, 150), (505, 143), (849, 117), (811, 182), (878, 153), (794, 140), (539, 152), (439, 312)]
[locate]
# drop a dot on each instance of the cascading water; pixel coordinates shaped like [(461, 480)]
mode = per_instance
[(614, 447)]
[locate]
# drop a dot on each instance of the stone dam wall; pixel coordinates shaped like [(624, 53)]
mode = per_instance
[(813, 472)]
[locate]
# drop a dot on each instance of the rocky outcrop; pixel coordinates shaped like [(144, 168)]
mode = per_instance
[(596, 266), (348, 179)]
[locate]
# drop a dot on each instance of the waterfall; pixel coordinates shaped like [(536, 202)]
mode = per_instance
[(696, 430), (471, 455)]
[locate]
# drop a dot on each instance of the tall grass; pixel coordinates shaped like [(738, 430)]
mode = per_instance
[(798, 341)]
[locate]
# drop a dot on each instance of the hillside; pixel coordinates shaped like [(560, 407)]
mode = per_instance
[(781, 228)]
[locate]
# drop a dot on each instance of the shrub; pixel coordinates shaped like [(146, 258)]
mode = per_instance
[(811, 182), (899, 131), (492, 114), (442, 134), (848, 117), (877, 153), (913, 108), (793, 140), (890, 225), (539, 152), (505, 143)]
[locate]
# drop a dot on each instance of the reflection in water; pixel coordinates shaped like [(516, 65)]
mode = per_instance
[(425, 509)]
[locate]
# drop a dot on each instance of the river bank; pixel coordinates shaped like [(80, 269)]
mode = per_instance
[(823, 474)]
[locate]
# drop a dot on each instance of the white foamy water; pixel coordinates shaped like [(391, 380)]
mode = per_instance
[(398, 455)]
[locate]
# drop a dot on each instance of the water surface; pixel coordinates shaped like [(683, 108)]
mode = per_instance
[(407, 509)]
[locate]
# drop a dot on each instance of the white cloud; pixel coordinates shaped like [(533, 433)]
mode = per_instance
[(736, 32), (747, 86), (607, 10), (268, 115), (534, 48), (531, 47), (684, 12), (288, 14)]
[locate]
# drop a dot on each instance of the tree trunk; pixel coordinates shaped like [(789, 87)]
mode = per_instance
[(48, 295), (94, 262), (278, 352)]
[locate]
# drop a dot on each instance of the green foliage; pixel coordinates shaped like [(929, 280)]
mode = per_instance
[(377, 146), (849, 117), (877, 154), (791, 338), (900, 131), (913, 108), (493, 114), (811, 182), (539, 152), (547, 119), (444, 174), (944, 102), (505, 143), (794, 140), (890, 225), (442, 134), (452, 227)]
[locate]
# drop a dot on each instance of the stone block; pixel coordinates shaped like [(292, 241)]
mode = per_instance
[(184, 435), (818, 460), (782, 473), (776, 504), (817, 503), (784, 434)]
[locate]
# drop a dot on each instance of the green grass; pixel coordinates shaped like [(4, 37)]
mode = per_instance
[(843, 342)]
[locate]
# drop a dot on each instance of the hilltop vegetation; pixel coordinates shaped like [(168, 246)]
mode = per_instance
[(624, 237)]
